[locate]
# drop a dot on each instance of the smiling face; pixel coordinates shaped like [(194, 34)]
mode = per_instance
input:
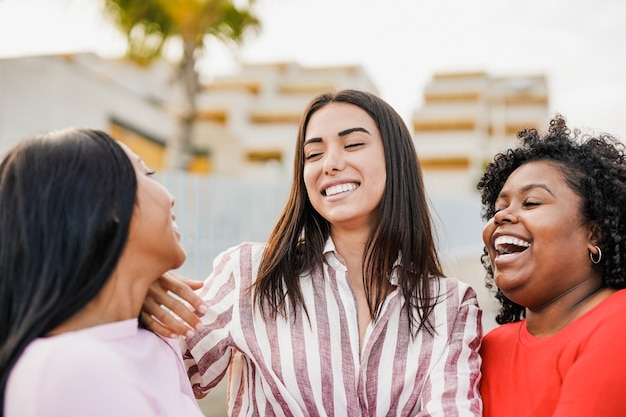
[(344, 165), (153, 230), (538, 240)]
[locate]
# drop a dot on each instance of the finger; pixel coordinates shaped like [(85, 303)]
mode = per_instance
[(182, 311), (174, 280), (154, 325), (173, 303), (166, 318), (192, 283), (177, 285), (160, 301)]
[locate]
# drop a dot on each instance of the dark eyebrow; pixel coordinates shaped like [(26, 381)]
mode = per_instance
[(312, 140), (353, 129), (529, 187), (342, 133)]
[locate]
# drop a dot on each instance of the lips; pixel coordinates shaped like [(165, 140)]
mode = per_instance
[(174, 224), (339, 188)]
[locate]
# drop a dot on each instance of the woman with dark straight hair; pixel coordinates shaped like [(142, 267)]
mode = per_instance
[(344, 311), (84, 232)]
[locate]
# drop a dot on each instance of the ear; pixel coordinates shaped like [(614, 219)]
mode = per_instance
[(594, 238)]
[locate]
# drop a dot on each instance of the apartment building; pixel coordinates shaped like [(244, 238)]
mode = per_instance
[(261, 106), (247, 121), (467, 117)]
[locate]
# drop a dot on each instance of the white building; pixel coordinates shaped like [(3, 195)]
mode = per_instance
[(466, 118), (261, 106), (42, 93), (247, 122)]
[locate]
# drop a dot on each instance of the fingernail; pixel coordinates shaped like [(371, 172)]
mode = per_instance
[(173, 336), (199, 326), (189, 333), (203, 309)]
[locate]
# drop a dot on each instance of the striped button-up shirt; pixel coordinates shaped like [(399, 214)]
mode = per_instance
[(315, 366)]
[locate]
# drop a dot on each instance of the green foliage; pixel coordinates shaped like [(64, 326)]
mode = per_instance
[(148, 24)]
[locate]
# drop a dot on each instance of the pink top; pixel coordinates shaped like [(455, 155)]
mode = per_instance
[(315, 366), (115, 369)]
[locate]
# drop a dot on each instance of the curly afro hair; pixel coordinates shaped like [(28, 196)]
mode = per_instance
[(594, 166)]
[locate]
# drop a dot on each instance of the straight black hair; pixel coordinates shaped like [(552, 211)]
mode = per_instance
[(66, 201)]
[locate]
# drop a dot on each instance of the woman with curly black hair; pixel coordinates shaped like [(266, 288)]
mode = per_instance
[(555, 252)]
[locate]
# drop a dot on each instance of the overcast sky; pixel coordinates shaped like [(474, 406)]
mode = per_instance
[(579, 44)]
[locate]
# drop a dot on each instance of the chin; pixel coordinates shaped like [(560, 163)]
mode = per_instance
[(180, 260), (515, 294), (508, 289)]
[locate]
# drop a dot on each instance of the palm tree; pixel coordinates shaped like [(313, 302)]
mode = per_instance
[(148, 24)]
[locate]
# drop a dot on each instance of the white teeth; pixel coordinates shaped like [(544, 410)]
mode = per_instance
[(510, 240), (341, 188)]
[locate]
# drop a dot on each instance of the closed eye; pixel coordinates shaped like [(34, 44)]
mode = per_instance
[(312, 155), (354, 145)]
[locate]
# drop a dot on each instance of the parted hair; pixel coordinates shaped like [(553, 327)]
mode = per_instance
[(403, 226), (66, 201), (594, 167)]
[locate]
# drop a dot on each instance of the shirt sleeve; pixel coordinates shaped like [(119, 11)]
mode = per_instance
[(207, 354), (594, 384), (454, 381)]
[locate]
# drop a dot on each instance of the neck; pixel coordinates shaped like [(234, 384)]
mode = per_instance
[(350, 244), (120, 299), (559, 313)]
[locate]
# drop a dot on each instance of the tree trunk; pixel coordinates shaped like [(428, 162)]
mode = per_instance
[(179, 149)]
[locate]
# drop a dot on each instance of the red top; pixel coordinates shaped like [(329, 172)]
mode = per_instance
[(579, 371)]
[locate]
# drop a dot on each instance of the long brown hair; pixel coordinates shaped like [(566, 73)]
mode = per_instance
[(403, 227)]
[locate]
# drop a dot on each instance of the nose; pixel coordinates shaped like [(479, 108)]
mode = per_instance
[(333, 161), (505, 216)]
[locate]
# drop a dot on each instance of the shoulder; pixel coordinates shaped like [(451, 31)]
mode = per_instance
[(253, 250), (243, 252), (61, 364), (607, 319), (456, 309), (453, 291), (504, 334), (75, 356), (237, 265), (504, 330), (79, 374), (615, 303)]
